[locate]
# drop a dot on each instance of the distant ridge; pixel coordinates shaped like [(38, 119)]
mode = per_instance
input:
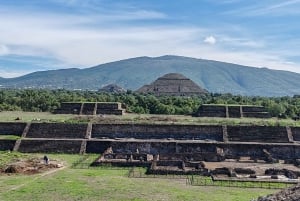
[(174, 84), (214, 76)]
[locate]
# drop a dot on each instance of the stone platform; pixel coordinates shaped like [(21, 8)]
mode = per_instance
[(183, 147), (90, 108), (232, 111)]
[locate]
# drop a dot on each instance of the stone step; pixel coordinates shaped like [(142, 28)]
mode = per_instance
[(17, 145), (89, 128), (83, 147), (81, 108), (26, 129), (24, 133), (95, 109), (241, 112), (227, 112)]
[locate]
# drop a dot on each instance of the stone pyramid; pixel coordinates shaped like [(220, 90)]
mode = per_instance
[(112, 88), (173, 84)]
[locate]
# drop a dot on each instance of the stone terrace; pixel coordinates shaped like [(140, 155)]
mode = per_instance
[(88, 108), (50, 146), (202, 142), (266, 134), (232, 111), (146, 131), (12, 128), (56, 130)]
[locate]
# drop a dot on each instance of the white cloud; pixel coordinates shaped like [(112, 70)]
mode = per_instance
[(283, 4), (268, 8), (88, 40), (86, 45), (12, 73), (241, 42), (210, 40)]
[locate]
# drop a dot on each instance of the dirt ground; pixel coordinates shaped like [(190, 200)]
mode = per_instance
[(29, 166)]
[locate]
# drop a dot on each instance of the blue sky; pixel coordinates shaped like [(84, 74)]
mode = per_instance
[(40, 35)]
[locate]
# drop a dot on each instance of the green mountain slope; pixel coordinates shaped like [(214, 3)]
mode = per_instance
[(133, 73)]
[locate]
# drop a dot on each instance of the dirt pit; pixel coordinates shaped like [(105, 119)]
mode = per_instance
[(30, 166)]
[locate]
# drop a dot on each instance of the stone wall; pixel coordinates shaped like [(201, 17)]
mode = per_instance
[(207, 151), (88, 108), (143, 147), (147, 131), (233, 111), (69, 108), (111, 112), (253, 108), (198, 151), (266, 134), (256, 115), (50, 146), (171, 142), (174, 163), (12, 128), (114, 108), (296, 133), (7, 145), (211, 111), (282, 152), (255, 112), (109, 106), (97, 146), (57, 130)]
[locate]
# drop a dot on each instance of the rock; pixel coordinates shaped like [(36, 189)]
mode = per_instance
[(288, 194)]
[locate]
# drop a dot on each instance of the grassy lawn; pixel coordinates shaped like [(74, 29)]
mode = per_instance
[(106, 184), (10, 116)]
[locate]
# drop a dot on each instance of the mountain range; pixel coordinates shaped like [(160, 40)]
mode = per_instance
[(214, 76)]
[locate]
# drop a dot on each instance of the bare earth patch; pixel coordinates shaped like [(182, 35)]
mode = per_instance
[(29, 166)]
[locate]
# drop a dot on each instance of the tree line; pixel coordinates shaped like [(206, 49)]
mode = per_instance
[(37, 100)]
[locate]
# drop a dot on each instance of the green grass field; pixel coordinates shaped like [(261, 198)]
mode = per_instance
[(11, 116), (106, 184)]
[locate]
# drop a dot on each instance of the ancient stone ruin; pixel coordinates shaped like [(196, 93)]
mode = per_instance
[(112, 88), (232, 111), (173, 84), (87, 108), (167, 148), (289, 194)]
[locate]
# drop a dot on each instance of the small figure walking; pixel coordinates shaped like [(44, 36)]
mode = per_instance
[(46, 160)]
